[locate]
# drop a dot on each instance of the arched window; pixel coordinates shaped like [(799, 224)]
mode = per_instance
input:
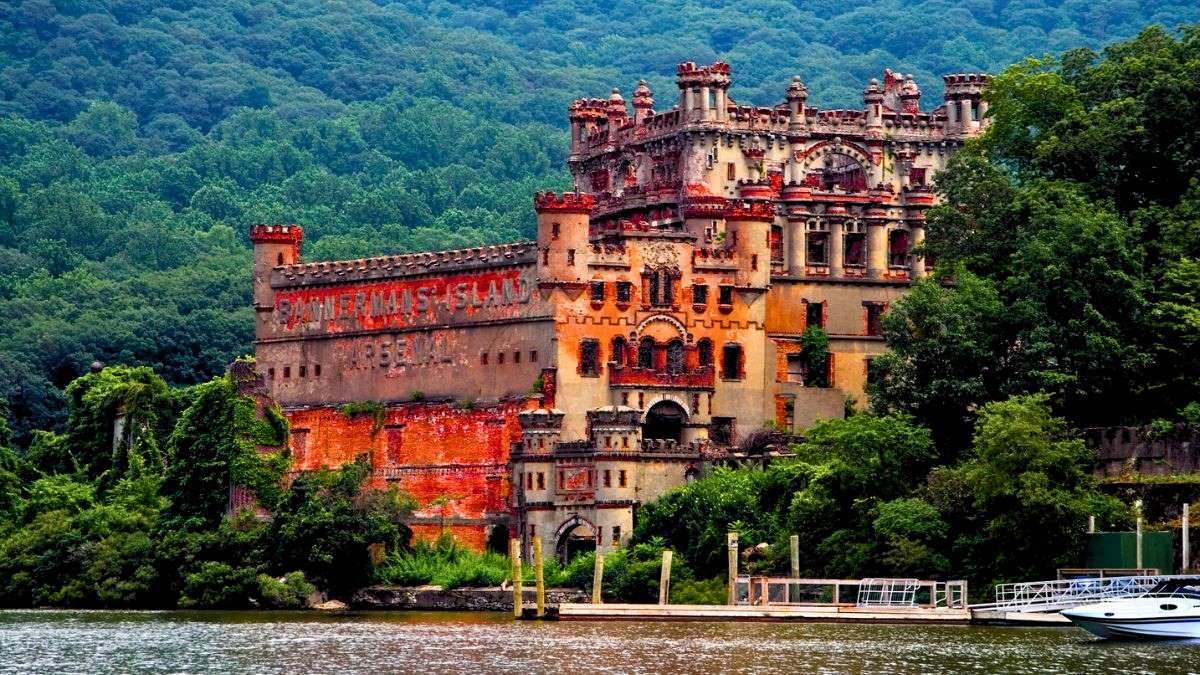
[(731, 362), (646, 353), (618, 351), (675, 365), (843, 171), (662, 288), (704, 349)]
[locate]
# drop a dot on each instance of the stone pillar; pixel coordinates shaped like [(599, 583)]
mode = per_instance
[(722, 102), (876, 249), (917, 230), (964, 114), (685, 102), (983, 108), (837, 248), (795, 247), (704, 109)]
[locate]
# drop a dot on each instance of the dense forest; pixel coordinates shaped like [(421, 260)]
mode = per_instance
[(137, 139)]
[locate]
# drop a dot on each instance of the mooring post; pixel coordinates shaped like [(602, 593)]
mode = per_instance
[(539, 579), (1186, 542), (597, 578), (664, 578), (795, 545), (1138, 537), (514, 554), (732, 540)]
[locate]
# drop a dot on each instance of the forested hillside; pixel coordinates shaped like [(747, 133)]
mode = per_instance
[(138, 139)]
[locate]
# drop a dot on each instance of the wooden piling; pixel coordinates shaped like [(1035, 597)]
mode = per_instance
[(597, 578), (1138, 506), (732, 540), (539, 579), (664, 578), (514, 554), (1186, 539), (795, 546)]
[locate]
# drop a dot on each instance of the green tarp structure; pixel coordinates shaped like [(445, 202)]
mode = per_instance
[(1119, 549)]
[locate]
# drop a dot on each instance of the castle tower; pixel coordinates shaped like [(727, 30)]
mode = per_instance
[(965, 107), (748, 233), (703, 91), (617, 114), (563, 222), (873, 105), (643, 103), (797, 97), (274, 245)]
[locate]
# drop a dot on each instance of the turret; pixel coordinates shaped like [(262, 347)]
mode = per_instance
[(696, 103), (797, 96), (643, 102), (274, 245), (965, 107), (910, 96), (563, 222), (617, 114), (748, 233), (873, 104)]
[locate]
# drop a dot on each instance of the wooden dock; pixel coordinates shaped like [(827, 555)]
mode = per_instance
[(814, 613)]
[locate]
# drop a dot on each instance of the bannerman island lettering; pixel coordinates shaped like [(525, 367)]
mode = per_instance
[(401, 304)]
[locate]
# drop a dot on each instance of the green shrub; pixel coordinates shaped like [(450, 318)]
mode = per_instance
[(699, 592), (288, 592), (218, 585)]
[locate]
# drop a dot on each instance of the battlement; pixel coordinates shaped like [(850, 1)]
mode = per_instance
[(567, 202), (965, 82), (410, 264), (690, 68), (762, 211), (276, 234)]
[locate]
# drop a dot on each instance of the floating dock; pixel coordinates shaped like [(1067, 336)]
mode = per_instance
[(816, 612)]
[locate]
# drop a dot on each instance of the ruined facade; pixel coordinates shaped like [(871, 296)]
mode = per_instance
[(664, 311)]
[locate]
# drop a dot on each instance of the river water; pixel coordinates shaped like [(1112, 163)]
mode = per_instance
[(36, 641)]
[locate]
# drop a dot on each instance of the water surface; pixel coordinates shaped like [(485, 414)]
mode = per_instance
[(36, 641)]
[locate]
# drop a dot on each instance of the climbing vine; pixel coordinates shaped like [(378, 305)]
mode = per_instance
[(376, 410)]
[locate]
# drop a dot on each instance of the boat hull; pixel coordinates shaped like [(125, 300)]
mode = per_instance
[(1153, 629)]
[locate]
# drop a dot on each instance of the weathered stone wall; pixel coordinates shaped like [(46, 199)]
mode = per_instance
[(1135, 450), (430, 450)]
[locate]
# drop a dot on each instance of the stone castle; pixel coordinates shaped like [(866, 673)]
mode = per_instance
[(667, 309)]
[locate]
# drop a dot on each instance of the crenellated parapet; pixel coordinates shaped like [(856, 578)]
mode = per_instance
[(567, 202), (763, 211), (411, 264), (276, 234)]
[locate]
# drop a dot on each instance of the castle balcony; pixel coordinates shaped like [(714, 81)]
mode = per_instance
[(632, 376)]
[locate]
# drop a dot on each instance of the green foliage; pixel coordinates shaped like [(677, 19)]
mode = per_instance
[(222, 437), (1025, 493), (376, 410), (699, 592), (327, 520), (290, 591), (445, 563), (814, 349), (218, 585)]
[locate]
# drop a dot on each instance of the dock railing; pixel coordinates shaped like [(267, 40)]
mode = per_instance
[(1051, 596), (871, 592)]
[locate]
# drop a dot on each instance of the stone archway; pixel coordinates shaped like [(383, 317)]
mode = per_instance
[(664, 420), (577, 535)]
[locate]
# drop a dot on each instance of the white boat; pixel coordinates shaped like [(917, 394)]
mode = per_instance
[(1168, 611)]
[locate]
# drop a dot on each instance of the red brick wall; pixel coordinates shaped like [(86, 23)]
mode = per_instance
[(429, 450)]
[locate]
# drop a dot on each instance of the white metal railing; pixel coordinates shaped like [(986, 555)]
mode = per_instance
[(888, 593), (872, 592), (1064, 593)]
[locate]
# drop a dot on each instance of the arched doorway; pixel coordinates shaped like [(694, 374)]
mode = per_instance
[(665, 421), (574, 537)]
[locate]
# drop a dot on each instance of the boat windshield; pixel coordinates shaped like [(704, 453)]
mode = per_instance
[(1177, 588)]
